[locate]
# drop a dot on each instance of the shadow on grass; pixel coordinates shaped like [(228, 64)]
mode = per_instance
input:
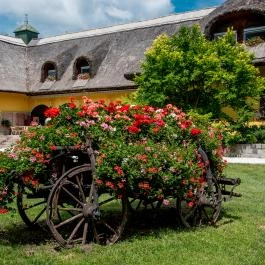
[(227, 215), (142, 223), (20, 234)]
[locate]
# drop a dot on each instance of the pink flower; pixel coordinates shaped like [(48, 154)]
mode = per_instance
[(104, 126), (166, 202), (190, 204), (32, 159)]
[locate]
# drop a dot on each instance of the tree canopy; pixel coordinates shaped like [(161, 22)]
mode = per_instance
[(193, 72)]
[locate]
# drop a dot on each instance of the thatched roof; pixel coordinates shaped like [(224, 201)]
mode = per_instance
[(113, 52), (12, 64), (232, 7)]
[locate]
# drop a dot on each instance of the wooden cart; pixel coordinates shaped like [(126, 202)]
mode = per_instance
[(79, 212)]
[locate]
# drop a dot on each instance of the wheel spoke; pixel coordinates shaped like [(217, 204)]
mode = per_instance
[(91, 191), (75, 230), (138, 205), (95, 232), (71, 195), (109, 227), (85, 233), (67, 221), (209, 219), (106, 201), (70, 209), (39, 215), (80, 189), (33, 205)]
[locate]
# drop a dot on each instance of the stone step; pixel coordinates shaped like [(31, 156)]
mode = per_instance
[(8, 140)]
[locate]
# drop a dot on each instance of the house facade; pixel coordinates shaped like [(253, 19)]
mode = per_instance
[(100, 63)]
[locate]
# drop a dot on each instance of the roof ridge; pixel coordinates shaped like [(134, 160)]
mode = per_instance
[(12, 40), (172, 18)]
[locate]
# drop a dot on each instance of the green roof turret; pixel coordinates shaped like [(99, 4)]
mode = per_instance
[(26, 32)]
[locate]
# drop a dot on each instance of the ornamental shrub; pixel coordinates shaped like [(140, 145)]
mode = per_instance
[(199, 74), (151, 152)]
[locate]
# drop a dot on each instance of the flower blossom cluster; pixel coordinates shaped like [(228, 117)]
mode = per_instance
[(146, 151)]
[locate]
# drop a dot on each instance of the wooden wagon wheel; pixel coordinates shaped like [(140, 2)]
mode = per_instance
[(78, 214), (31, 204), (30, 208), (207, 204)]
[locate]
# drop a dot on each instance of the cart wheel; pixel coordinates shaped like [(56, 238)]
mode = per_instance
[(207, 205), (30, 208), (78, 214), (206, 208)]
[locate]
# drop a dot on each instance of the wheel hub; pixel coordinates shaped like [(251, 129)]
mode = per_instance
[(90, 210)]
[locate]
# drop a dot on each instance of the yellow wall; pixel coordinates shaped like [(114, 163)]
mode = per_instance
[(13, 102), (56, 100)]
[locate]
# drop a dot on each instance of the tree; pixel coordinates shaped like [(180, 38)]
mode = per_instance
[(193, 72)]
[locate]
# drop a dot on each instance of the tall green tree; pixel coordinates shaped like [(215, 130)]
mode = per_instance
[(193, 72)]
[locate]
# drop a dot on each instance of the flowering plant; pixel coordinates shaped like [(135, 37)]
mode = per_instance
[(83, 76), (150, 152)]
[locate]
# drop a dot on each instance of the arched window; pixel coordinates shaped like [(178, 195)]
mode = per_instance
[(49, 72), (248, 26), (82, 69)]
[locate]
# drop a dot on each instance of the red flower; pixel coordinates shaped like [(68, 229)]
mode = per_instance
[(144, 185), (190, 194), (3, 211), (27, 179), (133, 129), (71, 105), (195, 131), (52, 112), (99, 182), (80, 113), (125, 108), (53, 147), (110, 184), (34, 183), (72, 99), (160, 123), (156, 129), (121, 185), (118, 170), (185, 124), (152, 170), (143, 158)]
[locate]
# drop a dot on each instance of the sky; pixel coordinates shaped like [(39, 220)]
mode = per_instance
[(53, 17)]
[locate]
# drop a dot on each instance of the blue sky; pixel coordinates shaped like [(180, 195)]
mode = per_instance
[(52, 17)]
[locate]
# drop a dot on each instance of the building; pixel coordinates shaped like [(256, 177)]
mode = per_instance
[(99, 63)]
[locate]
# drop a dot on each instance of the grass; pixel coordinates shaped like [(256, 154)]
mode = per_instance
[(238, 238)]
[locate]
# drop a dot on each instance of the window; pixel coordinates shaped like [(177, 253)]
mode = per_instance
[(221, 34), (254, 36), (82, 69), (49, 72)]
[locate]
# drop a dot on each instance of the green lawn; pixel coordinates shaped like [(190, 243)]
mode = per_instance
[(239, 237)]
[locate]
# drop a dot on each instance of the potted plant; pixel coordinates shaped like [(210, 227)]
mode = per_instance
[(5, 126)]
